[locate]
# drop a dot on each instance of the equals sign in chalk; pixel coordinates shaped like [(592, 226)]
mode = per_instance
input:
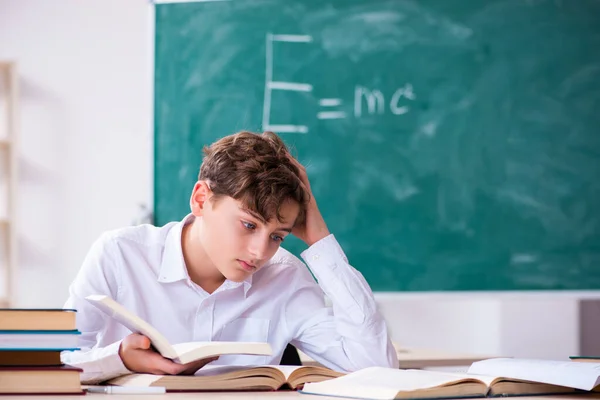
[(330, 114)]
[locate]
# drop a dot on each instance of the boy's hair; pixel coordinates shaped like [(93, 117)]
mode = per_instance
[(254, 169)]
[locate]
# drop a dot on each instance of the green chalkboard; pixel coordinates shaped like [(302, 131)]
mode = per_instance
[(451, 144)]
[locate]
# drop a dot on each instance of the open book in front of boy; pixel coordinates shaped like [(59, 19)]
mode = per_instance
[(232, 378), (488, 378), (181, 353)]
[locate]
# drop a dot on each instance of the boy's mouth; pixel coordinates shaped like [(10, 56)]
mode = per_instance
[(246, 266)]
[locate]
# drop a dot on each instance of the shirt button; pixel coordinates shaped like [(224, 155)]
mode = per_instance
[(315, 257)]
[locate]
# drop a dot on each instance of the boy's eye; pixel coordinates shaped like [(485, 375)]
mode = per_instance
[(249, 225), (277, 238)]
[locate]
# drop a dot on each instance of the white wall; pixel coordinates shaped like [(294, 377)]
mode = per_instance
[(85, 137), (86, 165)]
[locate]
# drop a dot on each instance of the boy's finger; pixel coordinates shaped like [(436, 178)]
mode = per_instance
[(137, 341), (160, 365), (191, 368), (143, 342)]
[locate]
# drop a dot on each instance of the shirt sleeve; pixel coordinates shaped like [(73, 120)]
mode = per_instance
[(98, 275), (351, 334)]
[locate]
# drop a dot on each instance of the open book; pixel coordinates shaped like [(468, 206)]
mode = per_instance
[(268, 377), (489, 378), (182, 353)]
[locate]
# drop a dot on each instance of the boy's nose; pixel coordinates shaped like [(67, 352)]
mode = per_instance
[(258, 249)]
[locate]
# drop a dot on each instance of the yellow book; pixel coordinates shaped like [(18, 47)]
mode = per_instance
[(37, 319), (230, 378)]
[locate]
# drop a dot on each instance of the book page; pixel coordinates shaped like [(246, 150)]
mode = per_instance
[(488, 380), (135, 380), (132, 322), (222, 371), (214, 370), (191, 351), (287, 370), (381, 383), (583, 376)]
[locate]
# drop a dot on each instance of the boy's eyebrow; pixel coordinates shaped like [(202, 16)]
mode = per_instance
[(254, 214), (261, 219)]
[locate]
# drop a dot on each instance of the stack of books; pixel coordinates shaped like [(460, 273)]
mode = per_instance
[(31, 341)]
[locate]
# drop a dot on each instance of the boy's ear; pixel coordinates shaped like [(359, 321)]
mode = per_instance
[(200, 195)]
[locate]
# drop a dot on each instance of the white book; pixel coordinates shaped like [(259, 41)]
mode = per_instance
[(488, 378), (182, 353), (584, 376), (35, 340)]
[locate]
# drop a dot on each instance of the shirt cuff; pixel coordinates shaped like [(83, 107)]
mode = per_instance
[(324, 254), (107, 364), (111, 361)]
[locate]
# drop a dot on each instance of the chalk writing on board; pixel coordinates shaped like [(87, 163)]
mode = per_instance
[(271, 85), (366, 101), (375, 100)]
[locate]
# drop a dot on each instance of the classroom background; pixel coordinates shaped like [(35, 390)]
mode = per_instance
[(85, 164)]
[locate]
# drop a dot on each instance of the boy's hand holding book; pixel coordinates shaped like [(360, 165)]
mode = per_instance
[(146, 350), (139, 356)]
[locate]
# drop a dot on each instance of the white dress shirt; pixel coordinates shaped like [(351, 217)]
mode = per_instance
[(143, 269)]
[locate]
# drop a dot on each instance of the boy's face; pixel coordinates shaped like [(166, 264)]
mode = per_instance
[(239, 242)]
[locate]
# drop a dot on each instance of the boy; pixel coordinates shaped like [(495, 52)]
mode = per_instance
[(220, 274)]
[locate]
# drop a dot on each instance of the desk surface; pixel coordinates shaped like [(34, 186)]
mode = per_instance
[(422, 358), (287, 395)]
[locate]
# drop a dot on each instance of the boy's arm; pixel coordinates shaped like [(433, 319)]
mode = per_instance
[(354, 336), (351, 334), (98, 275)]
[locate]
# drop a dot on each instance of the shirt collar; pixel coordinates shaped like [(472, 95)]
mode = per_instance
[(172, 266)]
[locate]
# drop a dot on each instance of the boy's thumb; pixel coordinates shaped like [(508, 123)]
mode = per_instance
[(141, 341)]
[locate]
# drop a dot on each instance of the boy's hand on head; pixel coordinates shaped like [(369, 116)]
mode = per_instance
[(314, 227), (138, 356)]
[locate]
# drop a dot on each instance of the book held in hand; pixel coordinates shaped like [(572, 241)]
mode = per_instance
[(231, 378), (488, 378), (182, 353)]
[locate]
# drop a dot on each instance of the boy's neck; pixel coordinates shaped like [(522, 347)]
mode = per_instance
[(199, 267)]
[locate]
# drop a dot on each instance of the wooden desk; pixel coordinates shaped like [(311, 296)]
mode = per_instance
[(246, 396), (421, 358)]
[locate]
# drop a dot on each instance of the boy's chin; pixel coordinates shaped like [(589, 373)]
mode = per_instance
[(235, 276)]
